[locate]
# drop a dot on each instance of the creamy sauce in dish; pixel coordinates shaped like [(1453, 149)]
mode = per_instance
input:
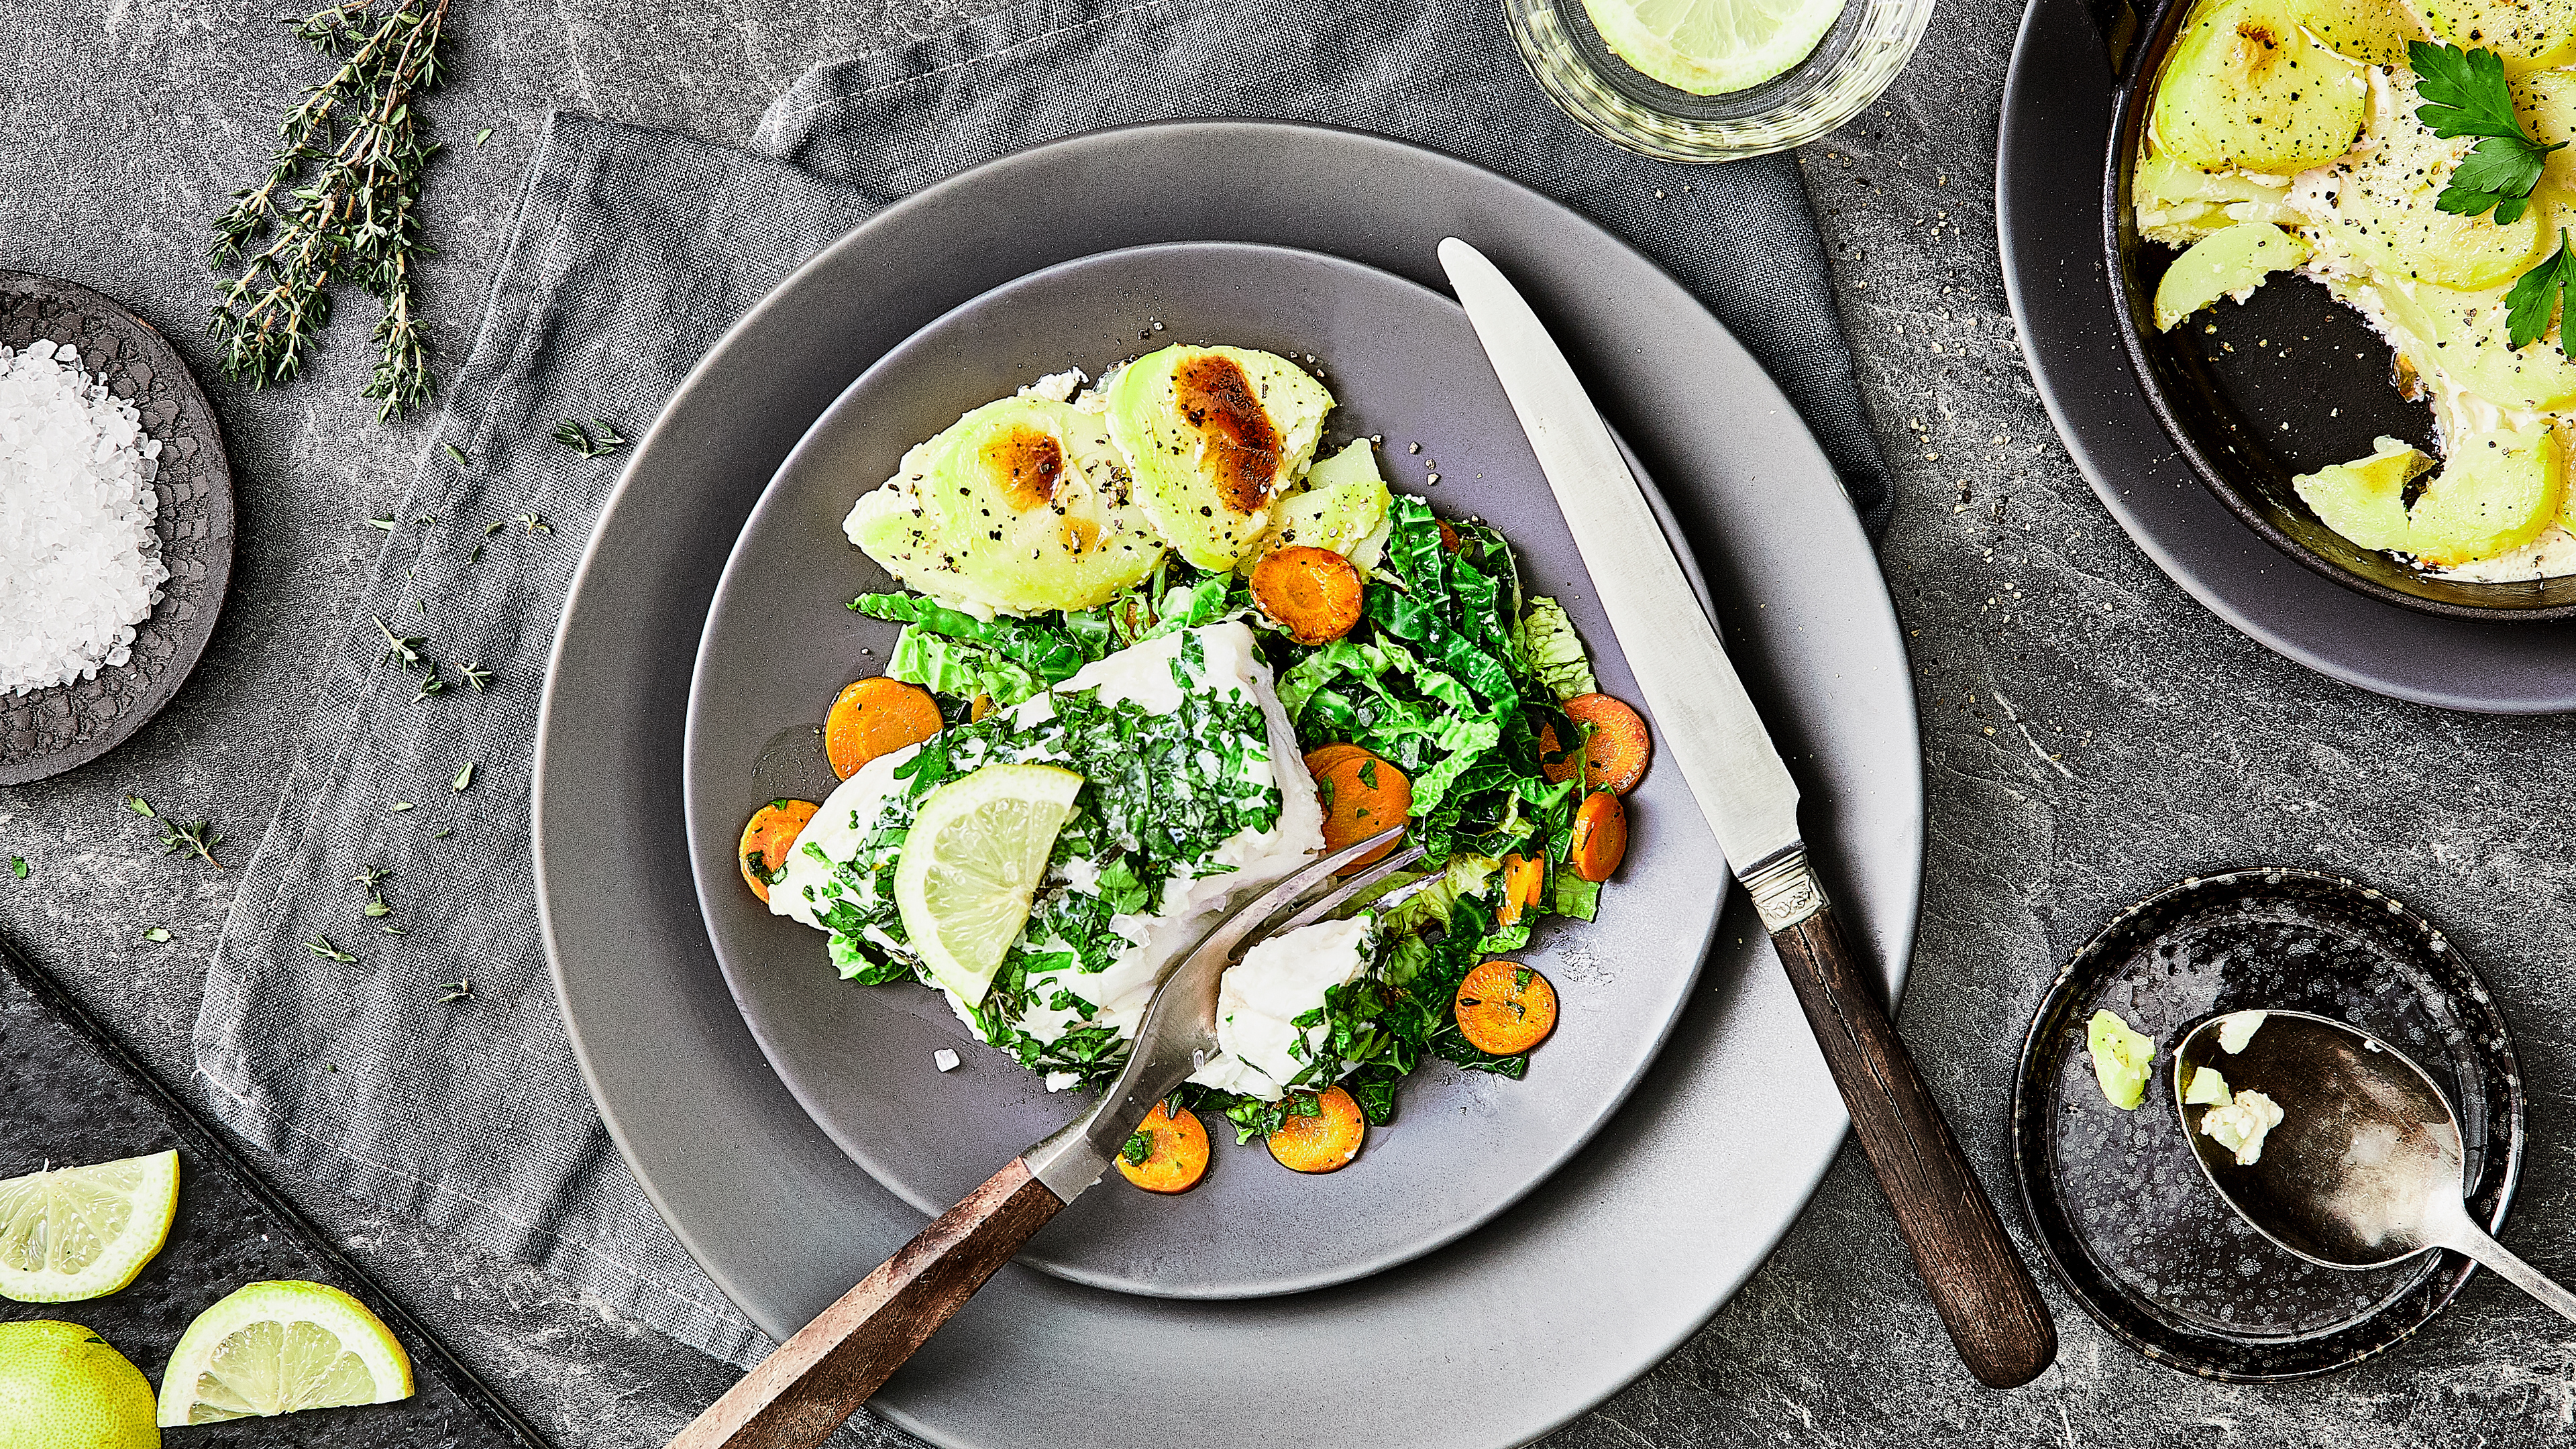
[(2450, 344)]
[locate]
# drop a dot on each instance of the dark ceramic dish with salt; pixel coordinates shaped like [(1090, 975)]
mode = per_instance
[(2132, 1228), (52, 730)]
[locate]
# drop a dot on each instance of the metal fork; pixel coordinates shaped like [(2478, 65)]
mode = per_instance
[(797, 1396)]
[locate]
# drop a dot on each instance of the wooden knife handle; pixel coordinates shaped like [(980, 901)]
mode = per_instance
[(1983, 1293), (798, 1395)]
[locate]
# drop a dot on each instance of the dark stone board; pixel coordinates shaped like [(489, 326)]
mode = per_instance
[(74, 1096)]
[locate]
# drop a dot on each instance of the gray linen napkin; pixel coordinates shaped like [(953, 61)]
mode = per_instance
[(352, 1052)]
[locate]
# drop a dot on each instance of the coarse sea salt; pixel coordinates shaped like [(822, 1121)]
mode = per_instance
[(80, 566)]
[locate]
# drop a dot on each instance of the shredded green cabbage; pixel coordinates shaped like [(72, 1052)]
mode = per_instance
[(953, 667), (1553, 651)]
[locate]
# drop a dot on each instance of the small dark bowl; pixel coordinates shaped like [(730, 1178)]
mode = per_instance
[(2249, 415)]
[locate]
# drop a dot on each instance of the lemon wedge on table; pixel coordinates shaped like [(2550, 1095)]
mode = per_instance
[(1712, 47), (84, 1232), (971, 864), (276, 1348)]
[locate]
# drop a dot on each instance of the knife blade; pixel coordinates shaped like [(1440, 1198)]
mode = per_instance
[(1713, 735)]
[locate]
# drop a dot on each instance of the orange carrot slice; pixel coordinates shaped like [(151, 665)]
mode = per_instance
[(766, 840), (877, 717), (1615, 756), (1321, 757), (1314, 593), (1505, 1008), (1521, 882), (1174, 1151), (1600, 836), (1324, 1142), (1362, 796)]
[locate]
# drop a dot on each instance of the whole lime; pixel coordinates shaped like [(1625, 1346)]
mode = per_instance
[(62, 1387)]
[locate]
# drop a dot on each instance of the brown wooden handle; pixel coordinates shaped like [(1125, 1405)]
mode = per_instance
[(798, 1395), (1978, 1284)]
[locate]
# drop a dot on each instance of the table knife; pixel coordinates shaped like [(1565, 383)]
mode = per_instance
[(1713, 735)]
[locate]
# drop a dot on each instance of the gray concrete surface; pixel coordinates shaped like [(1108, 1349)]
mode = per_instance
[(124, 125)]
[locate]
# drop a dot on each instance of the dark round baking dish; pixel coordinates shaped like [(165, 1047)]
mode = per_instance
[(2254, 394)]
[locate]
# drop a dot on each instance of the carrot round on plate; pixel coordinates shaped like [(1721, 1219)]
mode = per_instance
[(1614, 753), (1314, 593), (1600, 836), (877, 717), (1321, 757), (1167, 1153), (772, 831), (1325, 1141), (1362, 796), (1522, 880), (1505, 1008)]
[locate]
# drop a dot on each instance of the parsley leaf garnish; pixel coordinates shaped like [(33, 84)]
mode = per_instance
[(2535, 299), (2465, 94), (1138, 1148)]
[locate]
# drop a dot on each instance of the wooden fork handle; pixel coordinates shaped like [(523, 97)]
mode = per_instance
[(798, 1395), (1977, 1281)]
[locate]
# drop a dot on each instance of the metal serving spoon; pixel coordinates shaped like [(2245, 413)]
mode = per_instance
[(2365, 1167)]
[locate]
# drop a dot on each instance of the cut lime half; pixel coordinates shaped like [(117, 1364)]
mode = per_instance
[(971, 864), (276, 1348), (1712, 47), (84, 1232)]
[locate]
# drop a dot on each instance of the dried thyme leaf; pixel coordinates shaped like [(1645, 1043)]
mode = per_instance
[(321, 946)]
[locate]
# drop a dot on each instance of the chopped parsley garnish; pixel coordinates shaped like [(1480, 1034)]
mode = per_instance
[(1138, 1148), (2535, 299), (2465, 94)]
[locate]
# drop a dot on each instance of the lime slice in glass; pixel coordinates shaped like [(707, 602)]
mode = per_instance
[(84, 1232), (1711, 47), (971, 864), (276, 1348)]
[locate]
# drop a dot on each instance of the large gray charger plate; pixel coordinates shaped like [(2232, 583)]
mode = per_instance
[(2049, 200), (1406, 367), (1594, 1276)]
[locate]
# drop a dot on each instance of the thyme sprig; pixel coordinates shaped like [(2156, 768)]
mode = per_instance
[(341, 202), (198, 838), (590, 445), (322, 946)]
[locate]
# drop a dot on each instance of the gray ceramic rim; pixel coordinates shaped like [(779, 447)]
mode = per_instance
[(1605, 1268), (2048, 224), (1405, 365)]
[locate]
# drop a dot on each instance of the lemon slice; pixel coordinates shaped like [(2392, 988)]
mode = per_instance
[(972, 863), (275, 1348), (84, 1232), (1711, 47)]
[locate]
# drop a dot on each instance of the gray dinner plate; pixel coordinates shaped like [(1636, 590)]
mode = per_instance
[(1405, 366), (1493, 1340)]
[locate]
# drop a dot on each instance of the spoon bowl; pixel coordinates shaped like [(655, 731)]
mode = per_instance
[(2362, 1166)]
